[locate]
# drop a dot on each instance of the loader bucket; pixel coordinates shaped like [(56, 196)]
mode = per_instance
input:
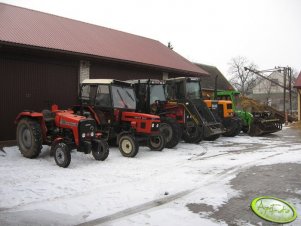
[(211, 126)]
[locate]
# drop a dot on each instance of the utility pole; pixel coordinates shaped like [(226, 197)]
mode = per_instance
[(290, 89), (284, 89)]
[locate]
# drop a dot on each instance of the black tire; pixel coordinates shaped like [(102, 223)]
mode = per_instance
[(192, 134), (234, 130), (29, 137), (100, 150), (62, 155), (156, 143), (169, 128), (128, 145), (232, 133), (212, 138), (245, 129)]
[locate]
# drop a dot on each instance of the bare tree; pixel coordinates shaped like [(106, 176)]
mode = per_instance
[(243, 81)]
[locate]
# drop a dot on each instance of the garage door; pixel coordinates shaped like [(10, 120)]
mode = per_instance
[(33, 85)]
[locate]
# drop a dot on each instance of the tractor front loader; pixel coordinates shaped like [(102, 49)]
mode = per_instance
[(112, 104), (63, 131), (255, 123), (187, 92)]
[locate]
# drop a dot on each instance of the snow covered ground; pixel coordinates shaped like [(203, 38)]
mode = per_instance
[(154, 188)]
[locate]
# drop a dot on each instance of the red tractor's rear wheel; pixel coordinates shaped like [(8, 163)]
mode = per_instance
[(128, 145), (29, 137), (62, 155), (170, 129), (156, 143), (100, 149)]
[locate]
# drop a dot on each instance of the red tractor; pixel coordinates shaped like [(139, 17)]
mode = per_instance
[(112, 104), (63, 131), (152, 100)]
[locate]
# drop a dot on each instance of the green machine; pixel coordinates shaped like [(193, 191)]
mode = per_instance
[(255, 123)]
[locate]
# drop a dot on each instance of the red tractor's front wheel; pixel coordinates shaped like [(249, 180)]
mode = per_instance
[(156, 143), (29, 137), (100, 149), (62, 155), (128, 145)]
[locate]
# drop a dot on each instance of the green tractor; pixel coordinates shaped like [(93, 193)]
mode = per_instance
[(255, 123)]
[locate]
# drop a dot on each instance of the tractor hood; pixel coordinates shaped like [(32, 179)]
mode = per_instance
[(67, 119), (136, 115)]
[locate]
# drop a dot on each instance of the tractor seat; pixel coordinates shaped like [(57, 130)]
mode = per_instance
[(48, 116)]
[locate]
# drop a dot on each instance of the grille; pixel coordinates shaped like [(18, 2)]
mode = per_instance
[(86, 126)]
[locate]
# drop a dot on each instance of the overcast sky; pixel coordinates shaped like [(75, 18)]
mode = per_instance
[(267, 32)]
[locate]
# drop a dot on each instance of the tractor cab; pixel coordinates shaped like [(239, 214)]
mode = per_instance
[(150, 93), (230, 95), (108, 93), (184, 88)]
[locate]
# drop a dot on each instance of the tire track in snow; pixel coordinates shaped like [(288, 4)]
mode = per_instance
[(137, 209), (246, 150)]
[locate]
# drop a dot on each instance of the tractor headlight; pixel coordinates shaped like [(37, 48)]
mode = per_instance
[(92, 134), (83, 135), (153, 125), (157, 125)]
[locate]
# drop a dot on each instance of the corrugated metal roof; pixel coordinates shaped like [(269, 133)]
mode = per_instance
[(298, 82), (209, 82), (28, 27)]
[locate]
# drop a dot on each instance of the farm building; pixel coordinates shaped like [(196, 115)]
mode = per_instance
[(271, 94), (208, 82), (44, 57)]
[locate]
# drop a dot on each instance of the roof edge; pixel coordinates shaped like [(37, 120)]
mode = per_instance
[(168, 69)]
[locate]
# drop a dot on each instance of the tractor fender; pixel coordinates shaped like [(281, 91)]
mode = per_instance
[(121, 134), (28, 114), (34, 115)]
